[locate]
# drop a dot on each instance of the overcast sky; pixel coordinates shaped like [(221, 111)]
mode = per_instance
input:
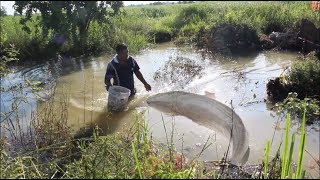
[(8, 4)]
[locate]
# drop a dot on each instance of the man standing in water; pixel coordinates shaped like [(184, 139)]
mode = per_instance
[(121, 69)]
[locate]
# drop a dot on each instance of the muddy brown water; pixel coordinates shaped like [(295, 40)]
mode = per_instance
[(167, 67)]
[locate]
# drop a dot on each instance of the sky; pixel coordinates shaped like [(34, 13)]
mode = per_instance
[(8, 4)]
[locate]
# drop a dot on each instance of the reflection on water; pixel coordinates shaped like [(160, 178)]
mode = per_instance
[(167, 68)]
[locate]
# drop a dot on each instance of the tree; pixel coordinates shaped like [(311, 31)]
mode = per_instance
[(157, 3), (3, 11), (67, 17)]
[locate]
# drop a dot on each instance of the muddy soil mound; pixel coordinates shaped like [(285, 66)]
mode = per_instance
[(309, 37), (233, 39), (160, 36), (276, 90), (280, 41), (229, 39), (303, 37)]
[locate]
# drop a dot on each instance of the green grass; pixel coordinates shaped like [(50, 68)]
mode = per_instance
[(286, 161), (266, 159), (305, 76), (139, 26), (303, 84)]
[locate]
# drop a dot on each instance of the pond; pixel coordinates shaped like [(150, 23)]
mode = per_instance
[(167, 67)]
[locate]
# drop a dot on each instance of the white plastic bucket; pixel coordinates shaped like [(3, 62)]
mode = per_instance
[(118, 98)]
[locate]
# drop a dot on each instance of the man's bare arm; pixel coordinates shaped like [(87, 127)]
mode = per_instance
[(107, 81), (140, 77), (108, 77)]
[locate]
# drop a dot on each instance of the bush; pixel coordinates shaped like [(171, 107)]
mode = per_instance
[(295, 106), (304, 77)]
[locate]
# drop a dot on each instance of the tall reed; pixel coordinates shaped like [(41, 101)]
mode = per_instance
[(287, 154)]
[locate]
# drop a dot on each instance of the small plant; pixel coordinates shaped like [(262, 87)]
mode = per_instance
[(266, 160), (286, 160), (304, 76), (293, 105), (8, 54)]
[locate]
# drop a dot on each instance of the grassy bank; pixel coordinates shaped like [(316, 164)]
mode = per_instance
[(298, 84), (140, 26)]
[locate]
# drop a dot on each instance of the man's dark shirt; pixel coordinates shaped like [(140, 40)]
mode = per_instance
[(122, 73)]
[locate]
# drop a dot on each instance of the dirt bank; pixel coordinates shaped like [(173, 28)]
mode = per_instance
[(233, 39)]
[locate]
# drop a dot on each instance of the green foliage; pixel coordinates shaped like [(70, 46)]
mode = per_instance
[(129, 154), (285, 158), (8, 54), (67, 17), (99, 30), (161, 30), (97, 39), (23, 167), (299, 173), (66, 25), (186, 174), (266, 159), (257, 15), (286, 168), (305, 76), (303, 80), (123, 155), (31, 45), (293, 105), (190, 14), (41, 150), (154, 12)]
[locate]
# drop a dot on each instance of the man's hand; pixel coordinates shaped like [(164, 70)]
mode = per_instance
[(140, 77), (147, 86)]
